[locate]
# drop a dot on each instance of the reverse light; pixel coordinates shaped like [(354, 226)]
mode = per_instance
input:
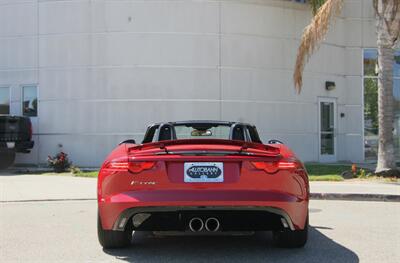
[(273, 167)]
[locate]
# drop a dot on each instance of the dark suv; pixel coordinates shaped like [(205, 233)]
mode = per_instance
[(15, 136)]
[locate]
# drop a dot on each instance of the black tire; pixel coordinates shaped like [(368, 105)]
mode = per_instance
[(6, 160), (113, 239), (291, 239)]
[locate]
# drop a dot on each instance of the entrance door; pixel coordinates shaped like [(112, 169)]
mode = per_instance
[(327, 129)]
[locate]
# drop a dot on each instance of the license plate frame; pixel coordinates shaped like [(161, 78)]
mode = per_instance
[(203, 172)]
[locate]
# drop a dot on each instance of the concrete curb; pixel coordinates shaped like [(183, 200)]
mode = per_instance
[(355, 197), (313, 196)]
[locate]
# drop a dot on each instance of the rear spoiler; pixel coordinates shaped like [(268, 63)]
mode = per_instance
[(244, 145)]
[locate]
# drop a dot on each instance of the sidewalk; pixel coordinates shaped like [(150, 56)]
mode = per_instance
[(355, 191), (355, 187), (17, 188), (45, 187)]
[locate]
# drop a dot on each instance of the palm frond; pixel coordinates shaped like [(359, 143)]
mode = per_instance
[(313, 35)]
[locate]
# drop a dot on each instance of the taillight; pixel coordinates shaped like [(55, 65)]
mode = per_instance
[(137, 167), (273, 167), (124, 165)]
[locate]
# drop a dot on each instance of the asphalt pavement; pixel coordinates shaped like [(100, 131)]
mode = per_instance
[(53, 219), (341, 231)]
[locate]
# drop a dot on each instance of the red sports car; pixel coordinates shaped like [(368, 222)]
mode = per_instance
[(202, 176)]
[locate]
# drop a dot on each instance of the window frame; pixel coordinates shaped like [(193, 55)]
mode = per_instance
[(22, 99), (363, 77)]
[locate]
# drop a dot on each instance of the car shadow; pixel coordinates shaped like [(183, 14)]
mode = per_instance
[(255, 248)]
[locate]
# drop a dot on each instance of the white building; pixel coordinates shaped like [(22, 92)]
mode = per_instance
[(102, 70)]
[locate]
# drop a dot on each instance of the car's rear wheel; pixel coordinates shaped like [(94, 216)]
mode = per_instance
[(6, 160), (291, 239), (113, 239)]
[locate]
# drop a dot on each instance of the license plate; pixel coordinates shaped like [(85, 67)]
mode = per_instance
[(203, 172), (10, 145)]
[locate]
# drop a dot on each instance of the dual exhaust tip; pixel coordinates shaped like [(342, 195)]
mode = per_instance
[(197, 224)]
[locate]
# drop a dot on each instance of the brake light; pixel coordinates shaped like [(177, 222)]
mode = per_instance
[(133, 167), (273, 167)]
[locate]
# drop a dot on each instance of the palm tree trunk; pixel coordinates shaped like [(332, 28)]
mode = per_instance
[(386, 159)]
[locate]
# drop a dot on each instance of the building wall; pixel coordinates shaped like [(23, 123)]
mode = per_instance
[(107, 68)]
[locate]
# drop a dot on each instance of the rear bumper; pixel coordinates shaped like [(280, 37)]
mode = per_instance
[(20, 146), (117, 211)]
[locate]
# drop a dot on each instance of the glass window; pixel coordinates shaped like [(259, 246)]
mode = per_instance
[(218, 132), (396, 93), (327, 128), (371, 118), (29, 101), (370, 62), (396, 66), (371, 103), (396, 90), (4, 100)]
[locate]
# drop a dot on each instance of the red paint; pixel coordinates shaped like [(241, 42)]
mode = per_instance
[(145, 176)]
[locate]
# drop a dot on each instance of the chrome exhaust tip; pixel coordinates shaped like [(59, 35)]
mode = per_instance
[(138, 219), (212, 224), (284, 223), (196, 224)]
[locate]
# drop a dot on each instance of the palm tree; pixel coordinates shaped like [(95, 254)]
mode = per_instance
[(388, 32)]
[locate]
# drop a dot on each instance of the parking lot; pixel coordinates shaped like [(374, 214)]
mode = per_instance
[(342, 231)]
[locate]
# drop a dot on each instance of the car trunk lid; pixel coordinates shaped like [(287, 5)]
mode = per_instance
[(203, 161)]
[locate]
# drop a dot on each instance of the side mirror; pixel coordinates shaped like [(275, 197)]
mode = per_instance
[(132, 141)]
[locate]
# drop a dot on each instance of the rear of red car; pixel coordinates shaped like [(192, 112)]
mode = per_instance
[(203, 185)]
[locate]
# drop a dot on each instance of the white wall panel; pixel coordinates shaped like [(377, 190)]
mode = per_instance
[(18, 19), (156, 16), (65, 50), (257, 52), (118, 116), (238, 18), (275, 117), (130, 83), (64, 17), (369, 33), (353, 32), (116, 49), (351, 124), (17, 53), (354, 61)]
